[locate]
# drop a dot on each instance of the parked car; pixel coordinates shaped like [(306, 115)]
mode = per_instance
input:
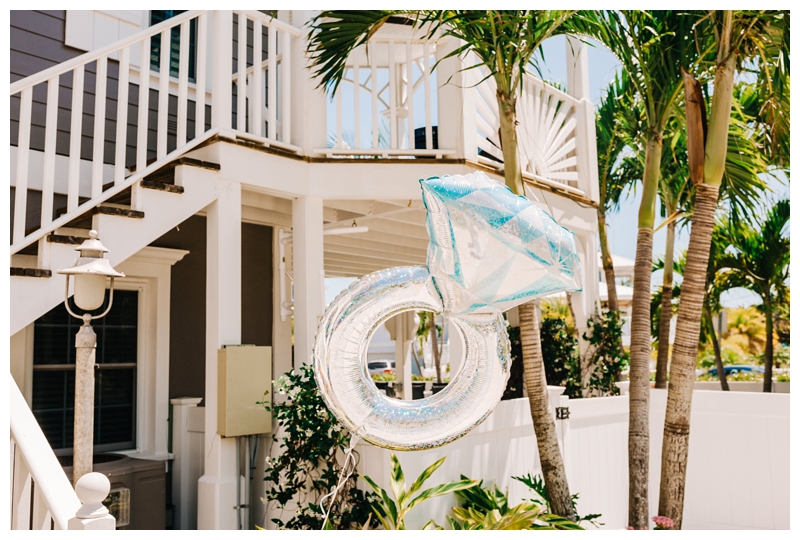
[(379, 367), (730, 370)]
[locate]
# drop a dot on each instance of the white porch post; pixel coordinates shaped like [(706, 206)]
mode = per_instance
[(309, 274), (457, 129), (217, 487), (221, 69), (309, 103), (578, 87)]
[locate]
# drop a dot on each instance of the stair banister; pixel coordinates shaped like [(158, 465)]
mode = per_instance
[(50, 479)]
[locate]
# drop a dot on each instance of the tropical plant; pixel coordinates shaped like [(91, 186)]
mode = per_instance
[(734, 38), (308, 467), (760, 261), (515, 377), (617, 122), (605, 357), (488, 509), (504, 43), (535, 484), (392, 512), (652, 47), (560, 355)]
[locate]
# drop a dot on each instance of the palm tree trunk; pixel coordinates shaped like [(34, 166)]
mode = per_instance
[(437, 354), (639, 389), (608, 262), (675, 448), (768, 348), (512, 171), (723, 379), (666, 310), (544, 425), (555, 478)]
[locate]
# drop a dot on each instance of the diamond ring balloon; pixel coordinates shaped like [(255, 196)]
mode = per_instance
[(490, 250)]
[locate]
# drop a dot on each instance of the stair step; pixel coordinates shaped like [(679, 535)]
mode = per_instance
[(31, 272), (115, 211), (161, 186), (64, 239), (166, 174)]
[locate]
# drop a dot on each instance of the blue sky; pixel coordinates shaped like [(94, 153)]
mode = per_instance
[(623, 224)]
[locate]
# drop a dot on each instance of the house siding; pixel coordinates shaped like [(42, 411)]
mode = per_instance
[(37, 43), (188, 300)]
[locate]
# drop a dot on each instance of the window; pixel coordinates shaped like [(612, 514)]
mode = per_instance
[(53, 397), (159, 15)]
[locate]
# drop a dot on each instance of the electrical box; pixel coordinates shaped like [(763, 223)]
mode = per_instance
[(245, 373)]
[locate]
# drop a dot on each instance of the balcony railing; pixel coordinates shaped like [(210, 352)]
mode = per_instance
[(87, 129)]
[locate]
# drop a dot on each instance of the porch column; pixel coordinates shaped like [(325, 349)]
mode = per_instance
[(216, 495), (586, 302), (578, 87), (457, 128), (577, 68), (309, 274)]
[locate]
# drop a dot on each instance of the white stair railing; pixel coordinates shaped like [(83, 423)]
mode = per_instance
[(393, 74), (165, 66), (41, 494)]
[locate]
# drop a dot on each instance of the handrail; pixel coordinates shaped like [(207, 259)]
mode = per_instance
[(51, 481), (90, 56), (95, 201), (549, 88), (279, 25)]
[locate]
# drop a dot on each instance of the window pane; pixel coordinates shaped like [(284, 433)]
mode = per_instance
[(53, 402)]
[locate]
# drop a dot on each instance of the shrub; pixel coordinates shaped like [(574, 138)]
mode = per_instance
[(308, 466)]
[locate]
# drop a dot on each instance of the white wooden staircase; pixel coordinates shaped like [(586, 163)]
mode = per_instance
[(140, 180)]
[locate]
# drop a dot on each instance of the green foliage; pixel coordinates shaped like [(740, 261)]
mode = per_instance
[(390, 511), (606, 356), (560, 352), (487, 509), (536, 484), (308, 467), (516, 380), (384, 377)]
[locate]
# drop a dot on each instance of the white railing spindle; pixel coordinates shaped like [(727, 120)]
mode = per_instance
[(144, 105), (426, 55), (122, 116), (257, 92), (99, 125), (48, 180), (183, 83), (241, 75), (163, 95), (356, 104), (339, 139), (373, 83), (75, 133), (24, 141), (200, 75), (392, 97), (272, 94), (286, 89), (410, 96)]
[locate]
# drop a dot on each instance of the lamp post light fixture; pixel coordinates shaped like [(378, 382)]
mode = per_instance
[(90, 272)]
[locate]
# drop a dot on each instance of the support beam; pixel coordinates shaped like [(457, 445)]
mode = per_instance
[(577, 68), (216, 496), (309, 274)]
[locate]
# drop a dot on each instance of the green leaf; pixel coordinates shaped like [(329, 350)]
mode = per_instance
[(424, 476), (398, 482), (388, 509), (442, 489)]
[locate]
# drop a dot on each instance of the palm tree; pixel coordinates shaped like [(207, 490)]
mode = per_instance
[(652, 47), (761, 262), (734, 37), (504, 43), (617, 123)]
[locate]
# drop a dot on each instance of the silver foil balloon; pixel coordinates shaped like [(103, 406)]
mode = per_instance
[(490, 250)]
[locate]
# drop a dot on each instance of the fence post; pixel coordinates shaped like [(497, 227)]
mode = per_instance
[(181, 477), (91, 489)]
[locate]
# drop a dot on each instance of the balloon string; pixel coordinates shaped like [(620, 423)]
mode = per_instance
[(344, 475)]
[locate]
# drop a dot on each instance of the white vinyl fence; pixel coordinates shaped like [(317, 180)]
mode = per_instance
[(737, 472)]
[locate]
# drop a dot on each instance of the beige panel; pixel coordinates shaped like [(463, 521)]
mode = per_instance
[(245, 373)]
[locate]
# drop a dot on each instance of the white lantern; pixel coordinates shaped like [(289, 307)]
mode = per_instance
[(90, 271)]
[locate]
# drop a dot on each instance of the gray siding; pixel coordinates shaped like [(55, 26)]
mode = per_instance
[(188, 300)]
